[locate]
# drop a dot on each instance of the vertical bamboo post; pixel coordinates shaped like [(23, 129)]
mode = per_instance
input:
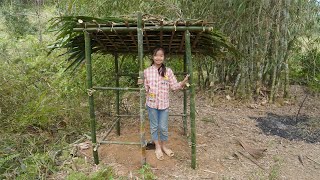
[(142, 90), (185, 69), (91, 101), (116, 66), (192, 100)]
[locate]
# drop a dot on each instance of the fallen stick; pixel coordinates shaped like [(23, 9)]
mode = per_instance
[(296, 120), (255, 162), (210, 171), (301, 159), (313, 160)]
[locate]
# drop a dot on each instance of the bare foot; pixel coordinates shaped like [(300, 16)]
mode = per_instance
[(159, 154)]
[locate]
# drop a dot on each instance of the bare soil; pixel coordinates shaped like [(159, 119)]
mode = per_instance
[(292, 143)]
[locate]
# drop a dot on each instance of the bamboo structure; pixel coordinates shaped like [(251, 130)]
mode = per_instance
[(142, 90), (192, 101), (115, 37), (185, 128), (91, 101), (116, 68)]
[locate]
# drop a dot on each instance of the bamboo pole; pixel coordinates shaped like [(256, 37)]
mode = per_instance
[(115, 88), (129, 115), (185, 69), (148, 28), (142, 90), (91, 100), (116, 65), (109, 131), (192, 100), (120, 142)]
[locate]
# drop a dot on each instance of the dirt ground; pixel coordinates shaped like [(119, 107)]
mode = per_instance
[(291, 143)]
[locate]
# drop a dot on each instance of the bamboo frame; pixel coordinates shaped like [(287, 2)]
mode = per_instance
[(184, 118), (91, 100), (115, 88), (142, 90), (120, 142), (187, 69), (192, 100), (109, 131), (116, 65), (147, 28)]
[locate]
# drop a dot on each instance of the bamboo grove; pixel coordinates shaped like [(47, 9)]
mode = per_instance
[(267, 33)]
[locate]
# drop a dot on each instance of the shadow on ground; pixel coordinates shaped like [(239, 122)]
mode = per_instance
[(302, 128)]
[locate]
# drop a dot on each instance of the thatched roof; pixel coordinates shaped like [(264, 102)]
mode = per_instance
[(119, 35)]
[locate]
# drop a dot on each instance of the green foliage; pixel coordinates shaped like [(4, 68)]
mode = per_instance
[(102, 174), (146, 172), (16, 20), (305, 69)]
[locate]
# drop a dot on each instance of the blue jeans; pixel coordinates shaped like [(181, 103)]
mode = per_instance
[(158, 123)]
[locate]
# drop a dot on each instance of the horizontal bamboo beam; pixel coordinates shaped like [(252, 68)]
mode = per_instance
[(115, 88), (148, 28), (120, 142), (109, 131), (126, 115), (139, 115), (125, 24), (183, 115)]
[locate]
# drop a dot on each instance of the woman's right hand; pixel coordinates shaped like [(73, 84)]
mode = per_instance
[(140, 81), (185, 80)]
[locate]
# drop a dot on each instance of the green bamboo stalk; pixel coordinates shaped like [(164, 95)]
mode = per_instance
[(120, 142), (127, 115), (185, 70), (91, 100), (276, 56), (116, 65), (148, 28), (115, 88), (110, 129), (142, 90), (192, 100)]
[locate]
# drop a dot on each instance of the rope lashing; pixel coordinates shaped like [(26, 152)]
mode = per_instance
[(175, 27), (90, 91), (96, 146), (111, 27), (99, 28), (203, 29)]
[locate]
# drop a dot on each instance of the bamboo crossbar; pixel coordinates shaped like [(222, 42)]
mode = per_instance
[(120, 142), (183, 115), (126, 115), (148, 28), (112, 126), (115, 88)]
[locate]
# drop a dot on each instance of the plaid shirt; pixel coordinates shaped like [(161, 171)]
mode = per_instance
[(157, 87)]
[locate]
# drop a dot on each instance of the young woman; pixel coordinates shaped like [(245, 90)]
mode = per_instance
[(158, 80)]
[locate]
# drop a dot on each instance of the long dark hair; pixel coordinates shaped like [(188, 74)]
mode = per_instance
[(162, 70)]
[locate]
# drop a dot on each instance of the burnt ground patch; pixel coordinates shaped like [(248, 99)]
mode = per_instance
[(303, 128)]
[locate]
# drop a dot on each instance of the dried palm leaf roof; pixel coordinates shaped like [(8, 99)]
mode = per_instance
[(119, 35)]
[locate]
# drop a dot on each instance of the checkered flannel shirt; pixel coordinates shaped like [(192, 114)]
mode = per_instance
[(157, 87)]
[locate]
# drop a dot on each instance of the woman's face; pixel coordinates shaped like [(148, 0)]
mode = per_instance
[(158, 58)]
